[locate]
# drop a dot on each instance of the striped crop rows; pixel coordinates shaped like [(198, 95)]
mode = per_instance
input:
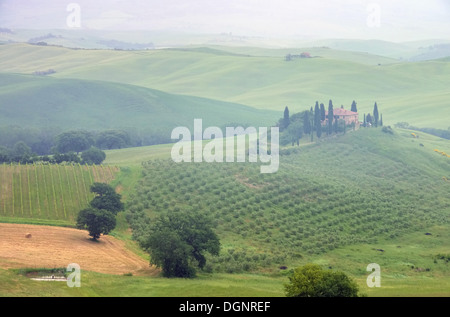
[(44, 191)]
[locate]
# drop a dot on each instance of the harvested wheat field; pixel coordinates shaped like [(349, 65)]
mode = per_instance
[(30, 246)]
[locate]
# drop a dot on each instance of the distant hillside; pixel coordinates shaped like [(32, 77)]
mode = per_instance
[(433, 52), (407, 51), (405, 92), (37, 101)]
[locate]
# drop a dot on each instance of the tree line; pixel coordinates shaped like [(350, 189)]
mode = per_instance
[(22, 153), (373, 119), (28, 145), (42, 141), (316, 122)]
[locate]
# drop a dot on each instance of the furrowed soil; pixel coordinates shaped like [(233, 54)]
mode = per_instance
[(55, 247)]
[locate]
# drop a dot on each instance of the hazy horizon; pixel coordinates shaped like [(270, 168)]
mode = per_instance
[(398, 21)]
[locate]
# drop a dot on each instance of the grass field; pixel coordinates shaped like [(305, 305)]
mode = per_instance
[(413, 92), (94, 105), (257, 239)]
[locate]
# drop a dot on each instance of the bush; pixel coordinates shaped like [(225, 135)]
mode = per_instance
[(312, 281), (388, 130)]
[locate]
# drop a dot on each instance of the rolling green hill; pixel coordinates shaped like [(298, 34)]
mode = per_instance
[(34, 101), (413, 92), (336, 203), (365, 188), (343, 202)]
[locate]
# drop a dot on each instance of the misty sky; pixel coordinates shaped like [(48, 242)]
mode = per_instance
[(400, 20)]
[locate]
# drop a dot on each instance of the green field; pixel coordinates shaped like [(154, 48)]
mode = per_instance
[(93, 105), (42, 193), (336, 202), (353, 189), (366, 190), (413, 92)]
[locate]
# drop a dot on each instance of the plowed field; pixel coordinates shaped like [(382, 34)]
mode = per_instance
[(53, 247)]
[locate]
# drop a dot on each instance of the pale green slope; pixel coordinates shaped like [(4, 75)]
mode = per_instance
[(32, 101), (412, 92)]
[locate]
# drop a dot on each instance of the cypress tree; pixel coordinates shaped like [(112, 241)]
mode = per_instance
[(375, 114), (286, 120), (354, 108), (369, 119), (317, 121), (330, 117), (365, 123), (306, 123), (322, 112)]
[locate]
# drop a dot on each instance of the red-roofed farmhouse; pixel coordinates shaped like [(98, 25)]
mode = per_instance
[(341, 114)]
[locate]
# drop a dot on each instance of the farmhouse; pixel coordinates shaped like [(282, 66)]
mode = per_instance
[(290, 57), (341, 114)]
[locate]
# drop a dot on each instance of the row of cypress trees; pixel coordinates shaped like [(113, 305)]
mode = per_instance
[(312, 120)]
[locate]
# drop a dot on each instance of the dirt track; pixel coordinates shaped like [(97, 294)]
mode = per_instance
[(52, 247)]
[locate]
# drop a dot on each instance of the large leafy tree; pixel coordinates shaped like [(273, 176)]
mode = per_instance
[(93, 156), (112, 139), (100, 217), (76, 141), (96, 222), (21, 152), (5, 154), (177, 243), (312, 281), (106, 198)]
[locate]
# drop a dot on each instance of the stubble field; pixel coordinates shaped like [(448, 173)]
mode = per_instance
[(56, 247)]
